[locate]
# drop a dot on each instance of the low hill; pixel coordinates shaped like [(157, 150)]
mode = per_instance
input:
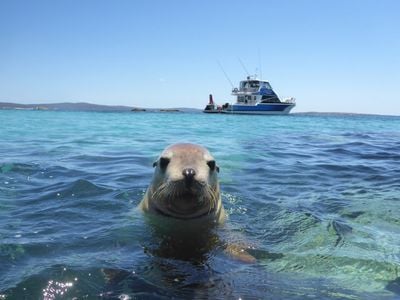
[(83, 106)]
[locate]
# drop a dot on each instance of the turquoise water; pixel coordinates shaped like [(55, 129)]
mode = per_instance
[(316, 197)]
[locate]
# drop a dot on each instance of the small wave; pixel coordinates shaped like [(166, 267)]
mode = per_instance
[(384, 155), (341, 151), (358, 135), (117, 158), (19, 168), (350, 169), (98, 158), (373, 274), (80, 188), (84, 188)]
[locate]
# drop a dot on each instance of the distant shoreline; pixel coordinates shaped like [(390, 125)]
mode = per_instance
[(83, 106), (89, 107)]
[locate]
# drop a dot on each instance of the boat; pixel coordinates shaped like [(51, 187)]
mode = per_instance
[(253, 97)]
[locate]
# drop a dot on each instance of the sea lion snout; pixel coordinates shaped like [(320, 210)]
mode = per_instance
[(188, 174)]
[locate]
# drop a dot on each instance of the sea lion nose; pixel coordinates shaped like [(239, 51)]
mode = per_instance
[(188, 173)]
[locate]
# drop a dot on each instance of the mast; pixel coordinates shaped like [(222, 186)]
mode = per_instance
[(226, 75)]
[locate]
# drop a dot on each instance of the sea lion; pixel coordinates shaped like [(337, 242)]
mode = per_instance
[(185, 185), (184, 198)]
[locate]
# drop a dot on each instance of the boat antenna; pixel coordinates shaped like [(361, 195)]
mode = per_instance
[(243, 66), (226, 75), (259, 62)]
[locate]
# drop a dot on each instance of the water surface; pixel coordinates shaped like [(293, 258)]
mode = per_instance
[(316, 196)]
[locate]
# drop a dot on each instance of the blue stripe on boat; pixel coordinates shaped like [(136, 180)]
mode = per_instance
[(261, 107)]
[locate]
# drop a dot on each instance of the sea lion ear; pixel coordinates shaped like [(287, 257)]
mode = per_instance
[(212, 165), (164, 161)]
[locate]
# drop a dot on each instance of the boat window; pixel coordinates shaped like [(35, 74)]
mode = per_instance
[(244, 85), (269, 99), (254, 84), (266, 85)]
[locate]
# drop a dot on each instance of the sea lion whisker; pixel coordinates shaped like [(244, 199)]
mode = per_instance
[(211, 198), (160, 192), (210, 208)]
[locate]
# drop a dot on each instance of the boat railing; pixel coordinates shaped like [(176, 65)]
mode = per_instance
[(289, 100), (243, 91)]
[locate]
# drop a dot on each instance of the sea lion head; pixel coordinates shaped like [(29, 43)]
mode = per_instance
[(185, 183)]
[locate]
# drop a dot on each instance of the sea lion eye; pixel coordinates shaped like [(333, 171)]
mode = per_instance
[(164, 162), (213, 165)]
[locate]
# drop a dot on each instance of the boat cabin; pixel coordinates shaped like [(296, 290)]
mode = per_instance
[(253, 86), (252, 91)]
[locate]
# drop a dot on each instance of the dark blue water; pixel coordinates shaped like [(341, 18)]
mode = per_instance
[(316, 197)]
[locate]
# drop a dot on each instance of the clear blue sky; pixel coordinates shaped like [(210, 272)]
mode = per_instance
[(333, 56)]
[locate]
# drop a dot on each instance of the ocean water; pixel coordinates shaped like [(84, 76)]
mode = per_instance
[(315, 197)]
